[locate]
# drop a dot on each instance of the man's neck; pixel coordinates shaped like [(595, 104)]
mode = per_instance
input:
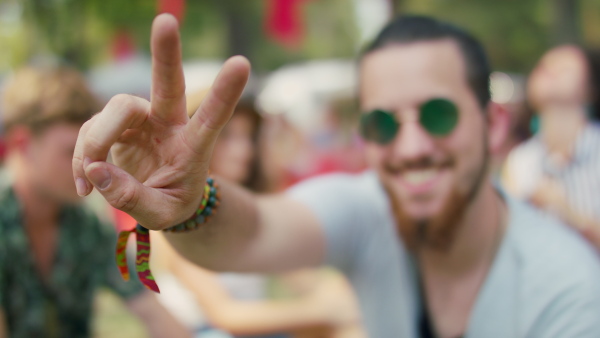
[(38, 210), (476, 242)]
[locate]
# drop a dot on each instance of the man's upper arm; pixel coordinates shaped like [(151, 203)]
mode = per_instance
[(318, 221), (291, 236)]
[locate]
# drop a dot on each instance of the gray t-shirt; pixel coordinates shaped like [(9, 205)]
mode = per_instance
[(544, 282)]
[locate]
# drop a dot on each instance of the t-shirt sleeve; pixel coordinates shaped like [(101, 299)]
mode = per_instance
[(111, 276), (340, 202)]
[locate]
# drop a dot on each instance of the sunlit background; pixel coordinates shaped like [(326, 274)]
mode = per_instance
[(302, 52)]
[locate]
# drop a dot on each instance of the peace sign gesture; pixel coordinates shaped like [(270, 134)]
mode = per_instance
[(160, 155)]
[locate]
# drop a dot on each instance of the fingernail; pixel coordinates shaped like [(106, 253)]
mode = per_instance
[(86, 162), (100, 178), (81, 186)]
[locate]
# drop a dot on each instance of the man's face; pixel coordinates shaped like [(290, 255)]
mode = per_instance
[(49, 159), (430, 179)]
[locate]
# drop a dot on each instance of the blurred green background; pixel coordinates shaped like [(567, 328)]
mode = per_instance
[(83, 32), (90, 33)]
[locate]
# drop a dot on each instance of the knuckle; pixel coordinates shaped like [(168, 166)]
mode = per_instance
[(128, 107), (92, 144), (77, 164), (171, 93), (86, 126), (126, 200), (121, 100)]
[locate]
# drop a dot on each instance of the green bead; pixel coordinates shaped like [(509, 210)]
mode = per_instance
[(200, 219), (190, 224), (212, 201)]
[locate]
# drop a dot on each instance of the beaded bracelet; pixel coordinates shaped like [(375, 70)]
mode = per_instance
[(207, 208)]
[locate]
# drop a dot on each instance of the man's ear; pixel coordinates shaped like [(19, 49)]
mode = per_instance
[(18, 139), (498, 119)]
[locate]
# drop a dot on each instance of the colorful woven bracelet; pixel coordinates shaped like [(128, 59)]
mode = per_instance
[(207, 208)]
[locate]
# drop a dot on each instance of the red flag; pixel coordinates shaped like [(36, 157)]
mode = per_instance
[(284, 22), (175, 7), (123, 45)]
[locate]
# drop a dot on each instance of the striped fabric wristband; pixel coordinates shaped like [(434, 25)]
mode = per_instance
[(207, 208)]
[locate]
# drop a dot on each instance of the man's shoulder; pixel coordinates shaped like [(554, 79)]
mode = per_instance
[(551, 253)]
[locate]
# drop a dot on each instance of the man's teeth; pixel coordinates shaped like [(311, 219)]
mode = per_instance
[(419, 176)]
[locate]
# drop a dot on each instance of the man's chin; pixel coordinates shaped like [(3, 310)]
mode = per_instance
[(423, 210)]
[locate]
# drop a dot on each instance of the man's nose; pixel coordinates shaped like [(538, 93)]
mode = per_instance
[(412, 142)]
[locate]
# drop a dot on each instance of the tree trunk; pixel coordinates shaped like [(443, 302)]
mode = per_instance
[(566, 21)]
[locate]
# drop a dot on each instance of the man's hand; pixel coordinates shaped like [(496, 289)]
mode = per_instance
[(160, 156)]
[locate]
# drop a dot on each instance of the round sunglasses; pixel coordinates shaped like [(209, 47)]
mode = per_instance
[(438, 117)]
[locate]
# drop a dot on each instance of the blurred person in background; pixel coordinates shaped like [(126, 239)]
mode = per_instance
[(508, 90), (558, 169), (430, 246), (55, 254), (234, 303)]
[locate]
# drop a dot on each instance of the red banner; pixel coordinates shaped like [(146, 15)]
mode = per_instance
[(175, 7), (284, 22)]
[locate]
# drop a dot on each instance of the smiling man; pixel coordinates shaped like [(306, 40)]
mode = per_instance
[(431, 247)]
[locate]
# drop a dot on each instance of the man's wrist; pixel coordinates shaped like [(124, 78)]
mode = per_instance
[(207, 208)]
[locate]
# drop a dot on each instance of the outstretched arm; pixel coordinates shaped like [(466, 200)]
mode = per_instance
[(161, 162)]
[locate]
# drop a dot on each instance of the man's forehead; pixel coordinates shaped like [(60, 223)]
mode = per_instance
[(433, 64)]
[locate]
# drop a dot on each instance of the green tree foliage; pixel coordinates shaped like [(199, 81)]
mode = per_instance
[(80, 32)]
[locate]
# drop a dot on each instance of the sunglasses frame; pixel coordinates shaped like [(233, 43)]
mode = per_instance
[(381, 126)]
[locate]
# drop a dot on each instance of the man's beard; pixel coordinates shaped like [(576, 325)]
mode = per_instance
[(438, 232)]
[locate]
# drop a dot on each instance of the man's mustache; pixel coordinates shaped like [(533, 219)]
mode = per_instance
[(420, 163)]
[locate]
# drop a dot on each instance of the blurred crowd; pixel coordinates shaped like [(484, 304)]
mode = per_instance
[(56, 253)]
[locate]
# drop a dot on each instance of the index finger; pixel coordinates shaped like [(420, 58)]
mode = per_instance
[(97, 136), (168, 83)]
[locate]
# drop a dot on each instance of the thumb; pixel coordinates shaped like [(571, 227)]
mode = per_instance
[(124, 192)]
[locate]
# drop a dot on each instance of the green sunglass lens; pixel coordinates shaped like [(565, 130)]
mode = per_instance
[(378, 126), (439, 116)]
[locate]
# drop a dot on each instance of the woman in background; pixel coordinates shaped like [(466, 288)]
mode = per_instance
[(559, 168)]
